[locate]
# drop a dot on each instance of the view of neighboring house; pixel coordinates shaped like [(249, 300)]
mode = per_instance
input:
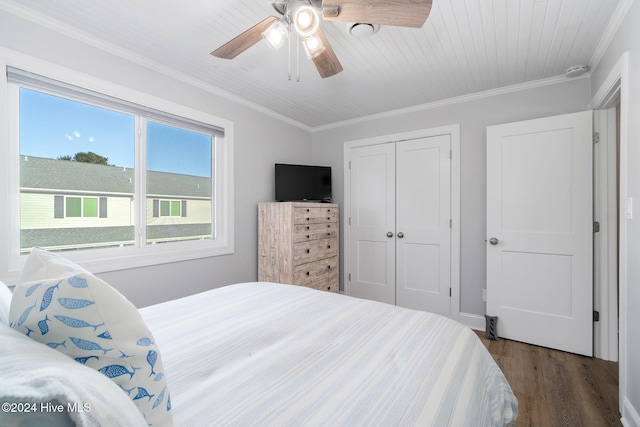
[(72, 205)]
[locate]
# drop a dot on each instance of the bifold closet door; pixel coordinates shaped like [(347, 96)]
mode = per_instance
[(400, 235), (423, 227), (372, 228)]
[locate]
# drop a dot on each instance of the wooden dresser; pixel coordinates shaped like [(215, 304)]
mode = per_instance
[(298, 244)]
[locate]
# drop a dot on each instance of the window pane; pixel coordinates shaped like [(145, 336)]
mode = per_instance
[(179, 166), (69, 147), (73, 207), (89, 207), (164, 208), (175, 208)]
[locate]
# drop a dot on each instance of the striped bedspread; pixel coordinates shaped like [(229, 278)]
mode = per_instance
[(264, 354)]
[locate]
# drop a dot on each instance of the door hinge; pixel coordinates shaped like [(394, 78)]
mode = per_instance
[(596, 137), (450, 154), (596, 316), (596, 226), (349, 220), (449, 291), (450, 223), (349, 277), (349, 164)]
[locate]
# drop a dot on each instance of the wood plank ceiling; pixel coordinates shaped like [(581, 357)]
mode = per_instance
[(466, 46)]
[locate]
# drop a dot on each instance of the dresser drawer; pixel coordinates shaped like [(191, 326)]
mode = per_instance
[(304, 233), (314, 215), (313, 250), (316, 274)]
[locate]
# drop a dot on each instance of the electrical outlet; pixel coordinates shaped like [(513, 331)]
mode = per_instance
[(484, 295)]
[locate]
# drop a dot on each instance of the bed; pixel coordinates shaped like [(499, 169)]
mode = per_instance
[(267, 354)]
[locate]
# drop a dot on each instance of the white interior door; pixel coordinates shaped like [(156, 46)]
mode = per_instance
[(423, 230), (372, 229), (539, 231)]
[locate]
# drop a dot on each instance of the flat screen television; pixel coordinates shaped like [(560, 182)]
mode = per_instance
[(303, 183)]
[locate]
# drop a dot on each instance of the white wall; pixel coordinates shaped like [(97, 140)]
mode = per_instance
[(627, 39), (473, 115), (260, 141)]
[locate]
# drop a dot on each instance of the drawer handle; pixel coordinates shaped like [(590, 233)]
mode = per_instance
[(308, 228), (307, 210), (308, 273), (328, 246), (329, 267), (308, 250), (308, 236), (329, 234), (328, 218)]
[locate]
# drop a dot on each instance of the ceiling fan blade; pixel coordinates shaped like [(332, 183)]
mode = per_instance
[(400, 13), (327, 62), (244, 41)]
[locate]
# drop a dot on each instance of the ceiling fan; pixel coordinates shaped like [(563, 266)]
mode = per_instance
[(303, 17)]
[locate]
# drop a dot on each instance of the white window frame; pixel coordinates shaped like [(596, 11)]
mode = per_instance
[(110, 259)]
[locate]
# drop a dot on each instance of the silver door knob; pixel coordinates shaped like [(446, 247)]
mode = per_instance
[(390, 234), (400, 235), (493, 241)]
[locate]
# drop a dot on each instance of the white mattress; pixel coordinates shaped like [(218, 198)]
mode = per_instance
[(264, 354)]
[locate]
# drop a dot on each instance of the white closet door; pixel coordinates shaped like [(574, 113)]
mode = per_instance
[(423, 231), (540, 231), (372, 233)]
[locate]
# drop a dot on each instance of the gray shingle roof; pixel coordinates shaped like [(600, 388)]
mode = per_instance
[(60, 175)]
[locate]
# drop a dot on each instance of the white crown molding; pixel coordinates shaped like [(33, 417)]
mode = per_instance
[(451, 101), (612, 28), (54, 25)]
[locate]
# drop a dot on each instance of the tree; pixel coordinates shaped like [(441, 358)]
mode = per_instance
[(88, 157)]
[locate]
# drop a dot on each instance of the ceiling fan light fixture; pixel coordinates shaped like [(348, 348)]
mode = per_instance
[(305, 20), (313, 46), (276, 34)]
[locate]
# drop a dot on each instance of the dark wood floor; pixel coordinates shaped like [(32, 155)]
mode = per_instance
[(555, 388)]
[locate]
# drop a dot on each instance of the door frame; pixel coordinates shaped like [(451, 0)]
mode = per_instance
[(617, 84), (609, 333), (454, 132)]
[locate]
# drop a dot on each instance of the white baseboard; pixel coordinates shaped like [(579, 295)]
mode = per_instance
[(473, 321), (630, 417)]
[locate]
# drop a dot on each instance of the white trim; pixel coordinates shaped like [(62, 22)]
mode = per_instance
[(619, 78), (609, 33), (452, 101), (605, 242), (109, 259), (454, 132), (473, 321), (630, 417)]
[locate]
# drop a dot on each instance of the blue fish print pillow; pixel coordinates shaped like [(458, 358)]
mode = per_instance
[(58, 303)]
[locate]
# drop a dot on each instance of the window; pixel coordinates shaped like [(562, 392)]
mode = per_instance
[(108, 178), (78, 207)]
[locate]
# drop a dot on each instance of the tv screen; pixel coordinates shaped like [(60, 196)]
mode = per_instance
[(303, 182)]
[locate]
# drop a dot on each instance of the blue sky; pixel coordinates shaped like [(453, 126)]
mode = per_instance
[(51, 127)]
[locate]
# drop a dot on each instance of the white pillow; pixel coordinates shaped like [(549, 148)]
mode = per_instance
[(5, 303), (39, 379), (65, 307)]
